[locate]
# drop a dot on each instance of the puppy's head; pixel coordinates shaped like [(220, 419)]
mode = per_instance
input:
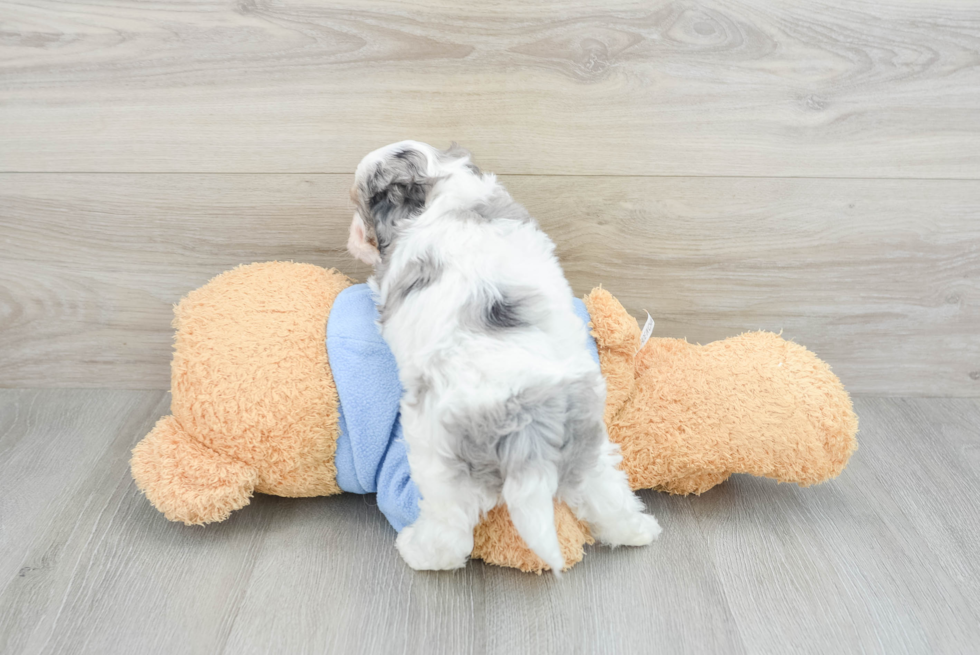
[(392, 185)]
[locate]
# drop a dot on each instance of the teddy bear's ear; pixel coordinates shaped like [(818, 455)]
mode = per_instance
[(617, 336)]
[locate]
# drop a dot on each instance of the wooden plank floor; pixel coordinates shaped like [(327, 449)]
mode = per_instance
[(885, 559)]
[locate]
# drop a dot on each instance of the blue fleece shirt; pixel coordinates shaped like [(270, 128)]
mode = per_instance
[(371, 454)]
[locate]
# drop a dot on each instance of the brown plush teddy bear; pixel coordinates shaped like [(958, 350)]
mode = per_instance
[(255, 408)]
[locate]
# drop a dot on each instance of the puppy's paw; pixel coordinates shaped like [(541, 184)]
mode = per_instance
[(426, 547), (633, 530)]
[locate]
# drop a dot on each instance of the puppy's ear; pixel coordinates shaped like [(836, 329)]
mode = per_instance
[(395, 191), (456, 152)]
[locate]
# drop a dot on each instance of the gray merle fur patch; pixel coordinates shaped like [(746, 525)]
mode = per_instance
[(491, 310), (418, 274), (559, 426)]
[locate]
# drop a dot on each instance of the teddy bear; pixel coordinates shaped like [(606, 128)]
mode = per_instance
[(281, 384)]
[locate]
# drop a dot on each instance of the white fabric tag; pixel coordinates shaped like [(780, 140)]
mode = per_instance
[(647, 331)]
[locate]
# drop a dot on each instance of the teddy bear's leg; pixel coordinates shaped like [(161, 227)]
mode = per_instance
[(185, 479)]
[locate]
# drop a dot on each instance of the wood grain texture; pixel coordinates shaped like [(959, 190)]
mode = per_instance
[(880, 278), (834, 563), (621, 601), (882, 560), (755, 88)]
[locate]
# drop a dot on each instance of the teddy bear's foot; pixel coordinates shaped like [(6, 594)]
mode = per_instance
[(186, 480)]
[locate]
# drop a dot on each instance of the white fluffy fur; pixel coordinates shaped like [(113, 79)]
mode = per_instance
[(467, 369)]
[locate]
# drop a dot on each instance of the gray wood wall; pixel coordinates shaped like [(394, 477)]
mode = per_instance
[(810, 168)]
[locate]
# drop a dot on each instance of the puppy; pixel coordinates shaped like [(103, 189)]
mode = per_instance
[(502, 399)]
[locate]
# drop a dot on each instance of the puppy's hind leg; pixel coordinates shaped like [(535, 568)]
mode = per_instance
[(442, 536), (603, 499), (597, 491)]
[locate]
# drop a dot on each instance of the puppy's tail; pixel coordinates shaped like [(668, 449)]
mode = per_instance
[(530, 501)]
